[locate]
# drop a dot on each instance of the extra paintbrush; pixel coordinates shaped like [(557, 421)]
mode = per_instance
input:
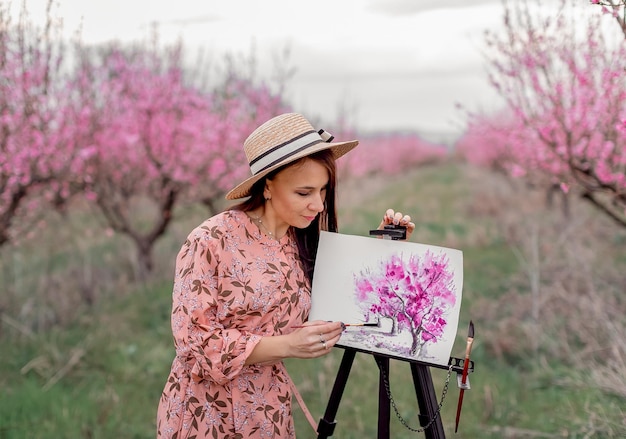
[(468, 350)]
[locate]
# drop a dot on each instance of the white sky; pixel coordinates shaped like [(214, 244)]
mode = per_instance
[(398, 64)]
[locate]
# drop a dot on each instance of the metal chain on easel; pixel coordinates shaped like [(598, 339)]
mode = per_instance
[(444, 391)]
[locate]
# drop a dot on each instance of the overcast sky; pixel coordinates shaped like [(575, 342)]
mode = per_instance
[(399, 64)]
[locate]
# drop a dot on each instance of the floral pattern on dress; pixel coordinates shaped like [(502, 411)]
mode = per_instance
[(233, 285)]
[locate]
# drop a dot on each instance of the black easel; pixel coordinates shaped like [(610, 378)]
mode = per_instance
[(422, 379), (424, 390)]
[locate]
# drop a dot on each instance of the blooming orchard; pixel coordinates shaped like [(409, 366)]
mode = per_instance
[(389, 155), (132, 130)]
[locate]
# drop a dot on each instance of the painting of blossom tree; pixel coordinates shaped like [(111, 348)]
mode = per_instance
[(403, 298)]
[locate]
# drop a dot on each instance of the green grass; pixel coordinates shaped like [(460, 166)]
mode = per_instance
[(112, 392), (123, 345)]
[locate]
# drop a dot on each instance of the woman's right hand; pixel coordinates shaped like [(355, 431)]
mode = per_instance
[(314, 339)]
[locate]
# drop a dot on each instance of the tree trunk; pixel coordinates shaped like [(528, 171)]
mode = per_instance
[(145, 262), (553, 191)]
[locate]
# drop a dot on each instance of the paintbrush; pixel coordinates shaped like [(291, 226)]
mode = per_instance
[(468, 350), (375, 324)]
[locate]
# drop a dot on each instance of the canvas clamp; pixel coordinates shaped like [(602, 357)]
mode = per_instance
[(393, 232)]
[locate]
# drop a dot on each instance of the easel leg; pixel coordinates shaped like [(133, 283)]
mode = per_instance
[(384, 404), (326, 426), (427, 401)]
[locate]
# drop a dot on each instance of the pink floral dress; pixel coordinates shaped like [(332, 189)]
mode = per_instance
[(233, 285)]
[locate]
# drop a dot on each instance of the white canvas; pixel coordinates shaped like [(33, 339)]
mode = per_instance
[(413, 291)]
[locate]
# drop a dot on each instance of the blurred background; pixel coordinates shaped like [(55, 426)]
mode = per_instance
[(500, 127), (394, 65)]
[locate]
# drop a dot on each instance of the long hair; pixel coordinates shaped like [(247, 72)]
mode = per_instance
[(307, 239)]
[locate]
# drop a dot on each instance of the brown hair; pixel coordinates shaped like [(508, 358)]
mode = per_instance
[(307, 239)]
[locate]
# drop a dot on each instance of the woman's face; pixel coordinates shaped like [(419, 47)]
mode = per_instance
[(298, 193)]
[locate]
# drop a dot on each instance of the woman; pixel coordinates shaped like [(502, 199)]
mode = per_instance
[(243, 285)]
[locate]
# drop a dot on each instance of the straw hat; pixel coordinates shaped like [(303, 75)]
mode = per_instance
[(282, 140)]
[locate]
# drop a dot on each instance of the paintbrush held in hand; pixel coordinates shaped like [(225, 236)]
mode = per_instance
[(345, 325)]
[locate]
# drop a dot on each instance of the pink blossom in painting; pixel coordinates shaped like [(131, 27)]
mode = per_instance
[(414, 293)]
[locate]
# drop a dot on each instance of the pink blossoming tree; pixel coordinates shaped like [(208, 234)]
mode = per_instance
[(487, 141), (155, 139), (566, 102), (36, 121), (615, 8)]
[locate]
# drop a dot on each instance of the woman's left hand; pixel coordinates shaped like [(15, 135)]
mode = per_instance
[(398, 219)]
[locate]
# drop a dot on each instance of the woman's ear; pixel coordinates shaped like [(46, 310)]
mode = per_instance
[(267, 193)]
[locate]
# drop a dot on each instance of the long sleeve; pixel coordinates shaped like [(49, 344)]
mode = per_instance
[(202, 303)]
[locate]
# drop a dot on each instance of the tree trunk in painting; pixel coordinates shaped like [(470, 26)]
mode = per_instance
[(394, 326), (416, 346)]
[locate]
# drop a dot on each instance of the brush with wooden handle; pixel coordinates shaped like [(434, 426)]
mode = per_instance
[(468, 350)]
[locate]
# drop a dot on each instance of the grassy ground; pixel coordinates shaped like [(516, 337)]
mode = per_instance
[(99, 370)]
